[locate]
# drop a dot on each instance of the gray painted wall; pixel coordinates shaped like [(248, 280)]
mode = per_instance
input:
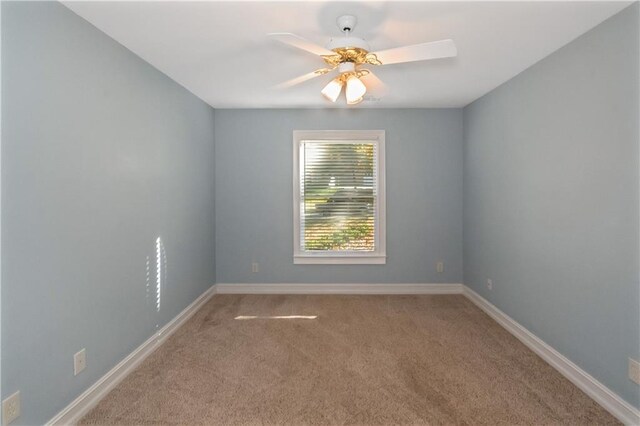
[(101, 154), (551, 200), (254, 195)]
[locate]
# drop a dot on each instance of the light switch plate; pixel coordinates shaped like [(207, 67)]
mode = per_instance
[(634, 370), (79, 362)]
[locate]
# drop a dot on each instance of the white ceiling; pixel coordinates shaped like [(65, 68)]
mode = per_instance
[(219, 50)]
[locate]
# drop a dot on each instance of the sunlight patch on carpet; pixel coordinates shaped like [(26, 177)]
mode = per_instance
[(250, 317)]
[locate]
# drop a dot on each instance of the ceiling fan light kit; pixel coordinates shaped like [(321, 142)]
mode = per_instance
[(332, 90), (349, 53), (349, 77), (355, 90)]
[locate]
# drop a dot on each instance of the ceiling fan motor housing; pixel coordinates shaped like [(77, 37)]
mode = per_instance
[(341, 42)]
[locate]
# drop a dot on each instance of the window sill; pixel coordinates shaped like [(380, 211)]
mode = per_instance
[(340, 260)]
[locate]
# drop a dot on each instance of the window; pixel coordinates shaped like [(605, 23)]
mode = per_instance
[(338, 197)]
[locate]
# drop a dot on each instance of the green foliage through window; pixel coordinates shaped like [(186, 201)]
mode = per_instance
[(337, 185)]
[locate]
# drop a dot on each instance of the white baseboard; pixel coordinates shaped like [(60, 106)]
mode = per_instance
[(71, 414), (583, 380), (604, 396), (299, 288)]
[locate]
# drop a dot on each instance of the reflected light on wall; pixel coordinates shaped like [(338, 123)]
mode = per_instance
[(148, 280), (160, 271)]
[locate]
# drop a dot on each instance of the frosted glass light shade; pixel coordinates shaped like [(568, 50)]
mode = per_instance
[(332, 90), (355, 90)]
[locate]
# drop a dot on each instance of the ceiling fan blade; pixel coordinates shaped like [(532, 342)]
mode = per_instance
[(303, 78), (300, 43), (375, 86), (418, 52)]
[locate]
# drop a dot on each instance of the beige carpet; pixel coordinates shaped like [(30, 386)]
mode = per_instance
[(365, 360)]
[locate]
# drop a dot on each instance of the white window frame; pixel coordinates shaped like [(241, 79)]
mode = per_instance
[(379, 255)]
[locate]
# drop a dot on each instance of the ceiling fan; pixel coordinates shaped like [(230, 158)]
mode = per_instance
[(349, 54)]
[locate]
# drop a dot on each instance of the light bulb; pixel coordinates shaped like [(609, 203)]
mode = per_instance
[(332, 90), (356, 101), (355, 90)]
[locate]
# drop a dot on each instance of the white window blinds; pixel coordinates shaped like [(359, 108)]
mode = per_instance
[(339, 198)]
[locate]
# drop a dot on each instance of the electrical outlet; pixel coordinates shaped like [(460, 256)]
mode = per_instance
[(440, 267), (11, 408), (634, 370), (255, 267), (490, 284), (79, 362)]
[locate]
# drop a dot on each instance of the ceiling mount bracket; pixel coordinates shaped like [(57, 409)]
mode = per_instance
[(346, 23)]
